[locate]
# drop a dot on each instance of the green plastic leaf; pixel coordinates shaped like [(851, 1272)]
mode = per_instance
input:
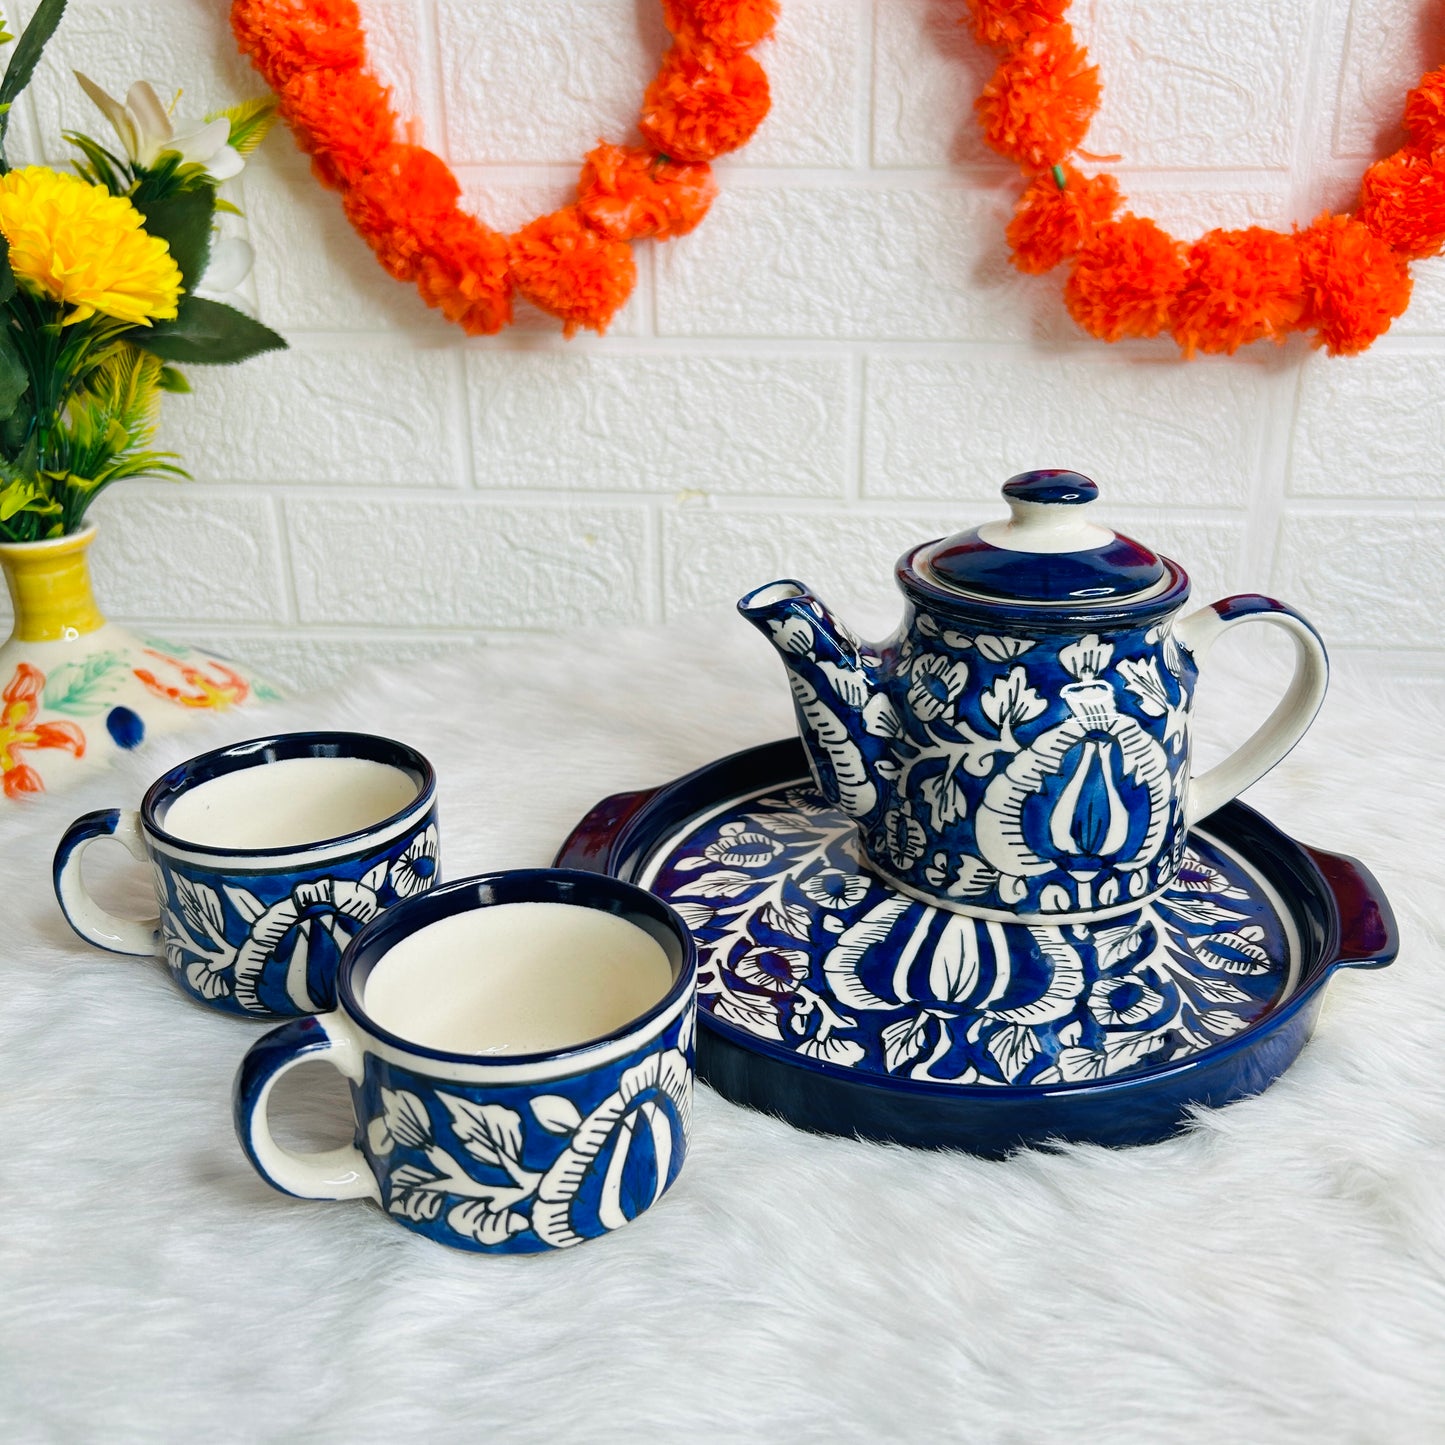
[(27, 496), (37, 516), (104, 169), (14, 498), (173, 381), (7, 276), (107, 428), (250, 122), (32, 42), (13, 432), (210, 333), (14, 379), (170, 175), (183, 221)]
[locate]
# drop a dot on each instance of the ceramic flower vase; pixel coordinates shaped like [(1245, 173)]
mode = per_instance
[(76, 690)]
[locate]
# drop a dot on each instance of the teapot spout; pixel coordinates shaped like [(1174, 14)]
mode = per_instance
[(798, 623), (788, 615), (833, 678)]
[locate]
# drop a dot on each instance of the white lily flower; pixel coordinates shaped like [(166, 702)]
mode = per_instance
[(144, 126), (231, 262)]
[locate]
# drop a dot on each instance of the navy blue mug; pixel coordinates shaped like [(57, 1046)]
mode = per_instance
[(490, 1151), (267, 857)]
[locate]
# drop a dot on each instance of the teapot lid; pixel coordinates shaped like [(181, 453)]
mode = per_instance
[(1047, 552)]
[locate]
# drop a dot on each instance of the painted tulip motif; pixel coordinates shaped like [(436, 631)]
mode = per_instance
[(476, 1171), (275, 948), (1089, 818), (810, 951)]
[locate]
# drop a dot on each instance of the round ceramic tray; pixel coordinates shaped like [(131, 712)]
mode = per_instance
[(833, 1000)]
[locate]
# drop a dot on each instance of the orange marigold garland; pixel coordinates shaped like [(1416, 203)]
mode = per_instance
[(286, 37), (1053, 221), (401, 205), (1348, 317), (342, 119), (1402, 200), (1242, 286), (738, 23), (1425, 113), (629, 191), (706, 101), (709, 97), (465, 275), (1037, 107), (1125, 278), (1343, 278), (562, 265)]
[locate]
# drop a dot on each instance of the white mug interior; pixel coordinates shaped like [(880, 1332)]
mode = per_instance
[(517, 978), (288, 802)]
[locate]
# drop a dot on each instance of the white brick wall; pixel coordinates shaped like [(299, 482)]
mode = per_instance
[(839, 362)]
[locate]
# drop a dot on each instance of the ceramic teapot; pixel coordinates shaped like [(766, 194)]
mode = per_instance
[(1019, 749)]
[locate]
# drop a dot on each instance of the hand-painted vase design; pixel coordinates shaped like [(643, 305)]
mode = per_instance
[(76, 691), (1019, 749)]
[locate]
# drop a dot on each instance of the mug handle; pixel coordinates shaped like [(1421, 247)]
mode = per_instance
[(92, 922), (1295, 711), (341, 1173)]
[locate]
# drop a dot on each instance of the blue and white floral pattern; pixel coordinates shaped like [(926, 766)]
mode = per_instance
[(799, 946), (519, 1170), (1016, 775), (416, 869), (1019, 775), (267, 943)]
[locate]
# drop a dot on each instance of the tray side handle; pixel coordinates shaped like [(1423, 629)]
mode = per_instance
[(589, 845), (1369, 935)]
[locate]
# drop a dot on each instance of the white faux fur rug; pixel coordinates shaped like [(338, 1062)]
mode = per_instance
[(1276, 1275)]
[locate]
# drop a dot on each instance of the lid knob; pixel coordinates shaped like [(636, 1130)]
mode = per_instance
[(1047, 510), (1051, 486)]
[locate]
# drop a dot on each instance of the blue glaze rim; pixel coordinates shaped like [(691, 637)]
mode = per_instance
[(1342, 914), (588, 888), (282, 747), (1099, 576), (989, 612)]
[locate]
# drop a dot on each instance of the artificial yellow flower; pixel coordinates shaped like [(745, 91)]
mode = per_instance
[(86, 248)]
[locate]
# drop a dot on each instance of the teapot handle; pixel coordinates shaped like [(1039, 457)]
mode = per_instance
[(1292, 715)]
